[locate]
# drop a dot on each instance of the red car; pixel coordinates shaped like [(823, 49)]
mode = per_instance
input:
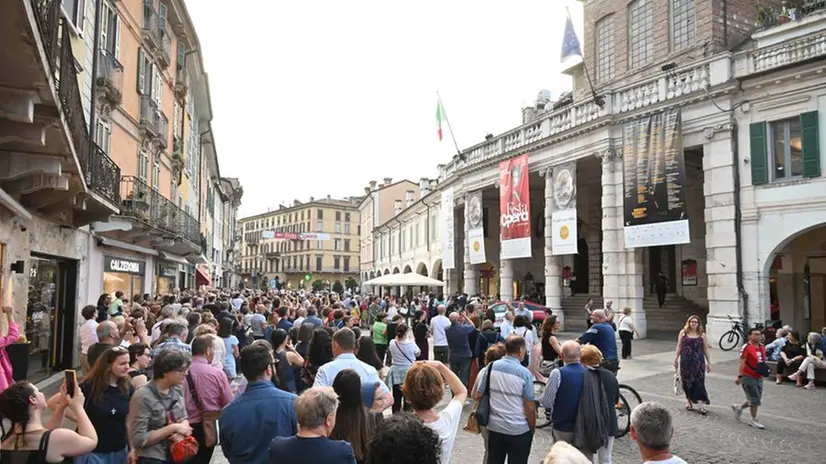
[(500, 308)]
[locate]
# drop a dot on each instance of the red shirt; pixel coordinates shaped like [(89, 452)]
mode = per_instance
[(753, 354)]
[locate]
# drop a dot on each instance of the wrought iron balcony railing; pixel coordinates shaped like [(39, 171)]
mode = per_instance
[(163, 129), (47, 15), (68, 91), (146, 204), (150, 24), (164, 57), (110, 76), (150, 116), (769, 17), (103, 176)]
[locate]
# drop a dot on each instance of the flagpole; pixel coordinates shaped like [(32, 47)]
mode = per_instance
[(444, 113), (600, 101)]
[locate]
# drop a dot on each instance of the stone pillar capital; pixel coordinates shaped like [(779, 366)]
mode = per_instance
[(609, 154), (547, 172), (723, 128)]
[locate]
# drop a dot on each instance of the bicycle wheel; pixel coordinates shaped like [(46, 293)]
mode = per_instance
[(543, 418), (623, 417), (634, 398), (729, 340)]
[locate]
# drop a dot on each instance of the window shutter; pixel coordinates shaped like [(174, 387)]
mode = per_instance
[(141, 73), (759, 154), (116, 38), (107, 139), (811, 144), (181, 55), (104, 28)]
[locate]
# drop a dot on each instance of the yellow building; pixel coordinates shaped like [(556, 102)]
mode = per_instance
[(306, 244)]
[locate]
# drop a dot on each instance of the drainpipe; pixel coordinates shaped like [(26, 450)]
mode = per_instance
[(738, 229), (95, 57)]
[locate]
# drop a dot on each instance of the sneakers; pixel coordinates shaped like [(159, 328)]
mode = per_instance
[(738, 411), (755, 424)]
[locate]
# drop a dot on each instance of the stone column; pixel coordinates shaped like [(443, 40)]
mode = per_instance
[(452, 281), (553, 264), (613, 250), (721, 239), (505, 279), (471, 270)]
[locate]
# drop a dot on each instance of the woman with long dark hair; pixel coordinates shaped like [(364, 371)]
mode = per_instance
[(108, 390), (355, 424), (231, 346), (420, 333), (319, 354), (366, 353), (103, 306), (286, 360), (29, 441), (304, 337)]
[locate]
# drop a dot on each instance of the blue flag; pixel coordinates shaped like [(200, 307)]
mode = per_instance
[(570, 43)]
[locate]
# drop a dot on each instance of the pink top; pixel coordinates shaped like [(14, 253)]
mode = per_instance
[(5, 365), (212, 387)]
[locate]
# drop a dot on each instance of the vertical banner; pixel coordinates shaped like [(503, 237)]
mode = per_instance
[(515, 208), (448, 251), (476, 228), (653, 181), (564, 240)]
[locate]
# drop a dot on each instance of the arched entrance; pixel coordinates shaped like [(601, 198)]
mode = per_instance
[(408, 270)]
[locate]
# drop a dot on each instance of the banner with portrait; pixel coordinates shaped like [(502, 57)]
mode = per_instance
[(564, 239), (654, 211), (515, 208), (476, 228), (448, 249)]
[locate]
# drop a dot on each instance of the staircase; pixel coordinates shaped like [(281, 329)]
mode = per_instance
[(666, 320)]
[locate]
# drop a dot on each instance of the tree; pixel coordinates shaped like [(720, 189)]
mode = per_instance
[(337, 287), (318, 285), (351, 283)]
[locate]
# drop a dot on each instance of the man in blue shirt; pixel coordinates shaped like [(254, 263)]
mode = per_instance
[(602, 336), (257, 416), (312, 317), (344, 344), (459, 346)]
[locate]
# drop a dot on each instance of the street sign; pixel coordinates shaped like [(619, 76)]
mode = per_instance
[(273, 284), (307, 277)]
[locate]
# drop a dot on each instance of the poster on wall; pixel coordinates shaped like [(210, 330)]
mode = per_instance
[(654, 181), (476, 228), (515, 208), (688, 271), (448, 251), (564, 219)]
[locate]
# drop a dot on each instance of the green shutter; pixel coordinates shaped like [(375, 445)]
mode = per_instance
[(759, 154), (141, 73), (811, 144)]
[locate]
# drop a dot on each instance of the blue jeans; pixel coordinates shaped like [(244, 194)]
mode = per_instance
[(115, 457), (461, 367)]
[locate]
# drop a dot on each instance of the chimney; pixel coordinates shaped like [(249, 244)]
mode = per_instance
[(373, 185), (528, 114), (312, 199), (409, 198), (397, 206), (367, 190), (329, 197), (424, 187), (388, 180), (296, 202)]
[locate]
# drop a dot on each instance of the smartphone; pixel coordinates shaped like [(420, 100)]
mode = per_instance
[(71, 381)]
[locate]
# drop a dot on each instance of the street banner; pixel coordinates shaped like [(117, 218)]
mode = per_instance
[(476, 229), (448, 251), (653, 181), (299, 236), (564, 240), (515, 208)]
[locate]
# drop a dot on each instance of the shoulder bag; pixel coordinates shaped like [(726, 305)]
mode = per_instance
[(483, 408), (761, 368), (401, 351), (184, 449), (209, 419)]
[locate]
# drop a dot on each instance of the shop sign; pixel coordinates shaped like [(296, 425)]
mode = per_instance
[(126, 266), (689, 272), (167, 271)]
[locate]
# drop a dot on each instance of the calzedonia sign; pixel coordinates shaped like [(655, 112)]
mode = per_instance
[(125, 266)]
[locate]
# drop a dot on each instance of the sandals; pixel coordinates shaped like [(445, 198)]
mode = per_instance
[(702, 410), (689, 407)]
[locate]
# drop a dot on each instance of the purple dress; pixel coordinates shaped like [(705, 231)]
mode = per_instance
[(693, 369)]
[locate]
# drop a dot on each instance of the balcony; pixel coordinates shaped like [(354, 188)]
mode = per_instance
[(160, 221), (149, 31), (164, 57), (163, 130), (181, 83), (110, 77), (150, 116), (272, 254), (769, 16)]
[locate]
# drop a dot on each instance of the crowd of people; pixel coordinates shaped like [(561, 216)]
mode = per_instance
[(300, 377)]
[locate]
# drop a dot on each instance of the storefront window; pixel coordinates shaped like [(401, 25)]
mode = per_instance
[(122, 274), (41, 314), (165, 279)]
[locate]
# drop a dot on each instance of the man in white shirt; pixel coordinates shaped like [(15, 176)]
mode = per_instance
[(88, 334), (521, 310), (438, 324), (651, 430)]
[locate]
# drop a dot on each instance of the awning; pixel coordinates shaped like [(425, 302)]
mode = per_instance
[(201, 278), (409, 279), (174, 258), (126, 246)]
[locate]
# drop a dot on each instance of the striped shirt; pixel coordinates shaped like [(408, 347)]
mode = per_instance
[(511, 385)]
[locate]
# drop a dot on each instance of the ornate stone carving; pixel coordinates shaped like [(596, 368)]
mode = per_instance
[(709, 132)]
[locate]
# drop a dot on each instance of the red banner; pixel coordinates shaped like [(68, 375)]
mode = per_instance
[(515, 208)]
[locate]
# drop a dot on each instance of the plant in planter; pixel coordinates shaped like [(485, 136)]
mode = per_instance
[(766, 16)]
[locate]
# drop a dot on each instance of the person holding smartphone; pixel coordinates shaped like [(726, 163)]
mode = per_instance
[(8, 335)]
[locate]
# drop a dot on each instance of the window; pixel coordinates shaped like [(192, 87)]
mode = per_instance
[(110, 31), (346, 245), (320, 245), (682, 23), (75, 11), (786, 149), (320, 214), (347, 228), (338, 215), (336, 262), (338, 228), (318, 262), (103, 136), (640, 33), (605, 49), (346, 217), (145, 74), (337, 244), (302, 216), (143, 165), (346, 264), (308, 261)]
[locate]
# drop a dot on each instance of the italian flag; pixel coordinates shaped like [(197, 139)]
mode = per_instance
[(440, 116)]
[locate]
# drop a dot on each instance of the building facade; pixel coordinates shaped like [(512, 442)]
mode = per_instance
[(379, 203), (231, 192), (750, 160), (306, 244)]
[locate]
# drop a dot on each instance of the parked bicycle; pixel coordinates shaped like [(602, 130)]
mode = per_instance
[(737, 335)]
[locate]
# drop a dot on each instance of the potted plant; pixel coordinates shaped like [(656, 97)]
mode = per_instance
[(765, 16)]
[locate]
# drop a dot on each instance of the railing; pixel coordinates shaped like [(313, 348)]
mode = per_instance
[(163, 129), (166, 44), (150, 207), (47, 15), (150, 116), (110, 74), (69, 94), (150, 22), (769, 17), (103, 176)]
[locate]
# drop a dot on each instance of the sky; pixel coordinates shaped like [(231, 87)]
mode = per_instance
[(318, 97)]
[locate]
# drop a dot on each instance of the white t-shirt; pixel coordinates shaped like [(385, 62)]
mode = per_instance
[(671, 460), (626, 324), (437, 327), (446, 427), (88, 335)]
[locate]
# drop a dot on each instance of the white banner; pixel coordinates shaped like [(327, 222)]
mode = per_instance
[(564, 239), (474, 215), (448, 250)]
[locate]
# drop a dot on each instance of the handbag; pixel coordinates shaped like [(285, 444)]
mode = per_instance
[(209, 419), (483, 408), (678, 383), (182, 450), (472, 425), (545, 367)]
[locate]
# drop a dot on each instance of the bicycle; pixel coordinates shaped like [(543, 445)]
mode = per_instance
[(736, 336), (543, 417), (623, 411)]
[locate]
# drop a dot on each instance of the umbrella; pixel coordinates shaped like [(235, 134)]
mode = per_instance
[(410, 280)]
